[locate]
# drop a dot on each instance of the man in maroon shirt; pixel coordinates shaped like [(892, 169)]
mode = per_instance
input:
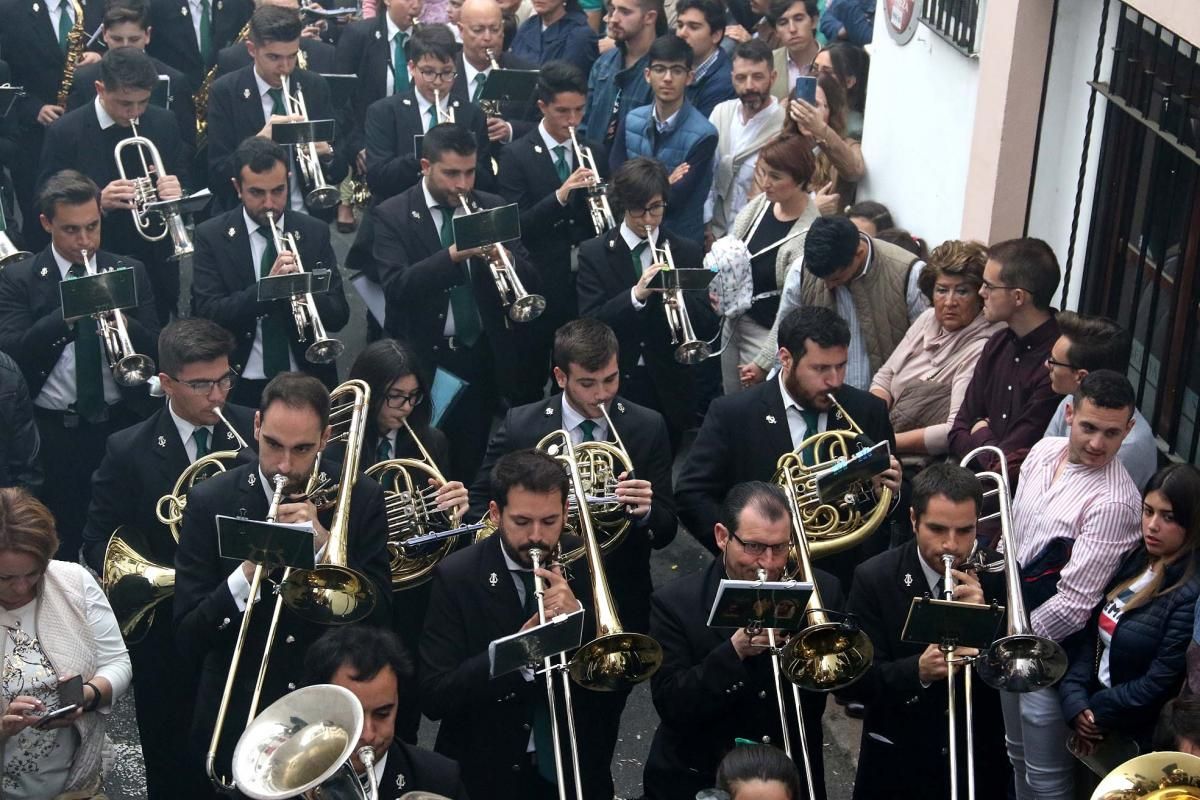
[(1009, 400)]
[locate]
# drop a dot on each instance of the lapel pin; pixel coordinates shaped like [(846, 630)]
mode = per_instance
[(378, 35), (537, 148), (44, 272), (250, 479), (416, 215), (493, 580), (771, 419), (323, 478), (245, 94), (232, 232), (36, 8), (228, 434), (621, 408), (183, 11), (296, 235), (407, 102), (162, 441), (549, 412), (908, 581), (612, 244), (220, 5), (400, 782)]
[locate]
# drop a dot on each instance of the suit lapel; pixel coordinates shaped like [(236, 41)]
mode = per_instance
[(543, 161), (775, 418), (39, 11), (47, 278), (419, 213), (167, 445), (620, 257), (251, 100), (243, 270), (504, 605), (910, 577), (193, 47), (378, 58)]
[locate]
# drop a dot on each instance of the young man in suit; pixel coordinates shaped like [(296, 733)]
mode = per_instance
[(85, 139), (904, 735), (236, 249), (188, 34), (316, 55), (291, 427), (141, 464), (613, 284), (715, 687), (373, 665), (443, 300), (394, 123)]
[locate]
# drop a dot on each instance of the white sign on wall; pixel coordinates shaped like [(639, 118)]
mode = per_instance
[(901, 17)]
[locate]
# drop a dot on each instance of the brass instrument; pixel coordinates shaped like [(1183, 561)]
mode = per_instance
[(1021, 661), (597, 191), (1163, 775), (129, 368), (690, 349), (134, 583), (321, 195), (302, 746), (360, 190), (443, 117), (324, 348), (76, 41), (522, 306), (201, 96), (169, 508), (952, 661), (153, 223), (9, 254), (491, 57)]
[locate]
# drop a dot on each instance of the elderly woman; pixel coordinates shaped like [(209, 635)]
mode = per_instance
[(926, 377), (57, 625)]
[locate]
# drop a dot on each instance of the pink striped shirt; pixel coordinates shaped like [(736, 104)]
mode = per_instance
[(1098, 507)]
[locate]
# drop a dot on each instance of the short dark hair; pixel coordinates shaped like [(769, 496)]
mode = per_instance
[(820, 324), (531, 470), (1179, 720), (560, 77), (1106, 388), (670, 49), (364, 648), (767, 499), (127, 68), (946, 479), (190, 340), (791, 154), (382, 363), (638, 181), (778, 8), (1028, 264), (258, 153), (275, 24), (587, 342), (755, 50), (1096, 342), (878, 213), (120, 12), (432, 40), (447, 137), (70, 188), (297, 390), (713, 11), (758, 762), (830, 245)]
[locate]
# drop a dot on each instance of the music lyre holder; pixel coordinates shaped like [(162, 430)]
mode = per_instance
[(509, 86), (862, 466), (292, 285), (95, 294), (532, 647), (952, 623), (267, 543), (293, 133), (758, 605), (8, 96), (487, 227), (689, 280), (187, 204)]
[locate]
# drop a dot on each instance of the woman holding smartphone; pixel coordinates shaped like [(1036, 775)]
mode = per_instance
[(839, 158)]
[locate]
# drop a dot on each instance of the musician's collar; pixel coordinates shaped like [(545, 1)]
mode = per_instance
[(932, 576), (549, 140), (102, 116), (633, 240)]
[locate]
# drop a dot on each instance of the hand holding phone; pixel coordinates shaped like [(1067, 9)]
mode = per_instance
[(70, 698), (806, 89)]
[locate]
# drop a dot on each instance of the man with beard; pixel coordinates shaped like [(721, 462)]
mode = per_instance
[(616, 83), (744, 126)]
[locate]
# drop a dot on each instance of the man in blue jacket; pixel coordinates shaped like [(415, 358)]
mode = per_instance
[(617, 81), (701, 23), (850, 21), (671, 131)]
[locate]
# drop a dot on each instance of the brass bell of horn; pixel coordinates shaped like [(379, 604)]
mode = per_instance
[(1153, 776)]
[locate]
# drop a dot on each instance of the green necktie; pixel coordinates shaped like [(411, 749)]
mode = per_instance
[(277, 107), (543, 737), (399, 63), (383, 450), (64, 24), (206, 32), (811, 428), (560, 162), (89, 378), (274, 330), (588, 429), (637, 256), (480, 80), (433, 115), (467, 328), (201, 437)]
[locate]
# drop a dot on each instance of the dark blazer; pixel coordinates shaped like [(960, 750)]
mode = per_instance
[(19, 442), (570, 39), (743, 436), (181, 99), (29, 43), (225, 284), (707, 697), (174, 39), (32, 329), (899, 709), (521, 116), (1145, 660), (392, 163), (363, 50), (645, 434), (207, 619), (411, 769), (318, 54)]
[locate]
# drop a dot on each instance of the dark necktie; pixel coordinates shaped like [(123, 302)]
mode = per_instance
[(811, 428), (480, 80), (64, 24), (201, 437), (383, 451), (89, 378), (637, 256), (560, 162), (274, 329), (588, 429), (399, 63), (206, 32), (277, 105), (467, 327)]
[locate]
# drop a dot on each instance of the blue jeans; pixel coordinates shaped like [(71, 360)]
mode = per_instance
[(1036, 736)]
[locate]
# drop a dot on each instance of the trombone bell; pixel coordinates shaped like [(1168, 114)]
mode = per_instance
[(9, 254), (1022, 663), (827, 657)]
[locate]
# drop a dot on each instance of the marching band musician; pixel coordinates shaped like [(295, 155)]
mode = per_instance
[(319, 56), (85, 140), (443, 300), (481, 25), (291, 427), (904, 738), (142, 464), (76, 401), (714, 688), (499, 730), (236, 249), (188, 34)]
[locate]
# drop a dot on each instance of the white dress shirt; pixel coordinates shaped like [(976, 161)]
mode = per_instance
[(572, 420), (295, 195), (254, 361), (424, 105), (102, 116), (568, 151), (197, 14), (436, 215), (56, 12), (187, 432), (392, 30), (469, 72), (795, 419)]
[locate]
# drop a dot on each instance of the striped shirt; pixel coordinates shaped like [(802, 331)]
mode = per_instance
[(1098, 507)]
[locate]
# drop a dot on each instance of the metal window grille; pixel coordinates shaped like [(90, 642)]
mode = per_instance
[(957, 21)]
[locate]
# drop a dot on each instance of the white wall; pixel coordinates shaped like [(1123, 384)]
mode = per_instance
[(917, 136)]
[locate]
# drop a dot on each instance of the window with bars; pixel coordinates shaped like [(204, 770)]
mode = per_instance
[(957, 21)]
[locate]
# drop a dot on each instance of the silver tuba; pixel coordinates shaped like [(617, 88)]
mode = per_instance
[(522, 306), (153, 220), (129, 368), (689, 348), (324, 348), (597, 192), (318, 195)]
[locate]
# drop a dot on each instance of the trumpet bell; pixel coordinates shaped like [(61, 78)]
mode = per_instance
[(614, 662), (827, 657), (1022, 663), (9, 254), (691, 353), (322, 198), (329, 594), (134, 370), (134, 583), (324, 351), (1153, 776), (527, 308)]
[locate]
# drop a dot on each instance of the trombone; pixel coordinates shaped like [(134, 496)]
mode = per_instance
[(129, 368), (443, 117), (948, 649), (522, 306), (322, 195), (690, 349), (154, 219), (324, 348), (597, 191)]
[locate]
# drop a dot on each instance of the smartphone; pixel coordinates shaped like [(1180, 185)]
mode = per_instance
[(70, 697), (806, 89)]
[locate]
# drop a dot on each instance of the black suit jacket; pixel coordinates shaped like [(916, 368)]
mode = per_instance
[(911, 717), (174, 39), (207, 619), (32, 329), (29, 43), (645, 434), (181, 99), (363, 50), (225, 284), (392, 163), (411, 769), (742, 437), (521, 116), (706, 696)]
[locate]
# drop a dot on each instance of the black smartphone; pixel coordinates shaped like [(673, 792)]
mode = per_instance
[(806, 89), (70, 697)]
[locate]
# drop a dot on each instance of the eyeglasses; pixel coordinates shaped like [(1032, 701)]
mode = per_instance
[(204, 386), (676, 71), (821, 69), (433, 75), (758, 548), (1050, 362), (655, 210), (992, 287), (399, 400)]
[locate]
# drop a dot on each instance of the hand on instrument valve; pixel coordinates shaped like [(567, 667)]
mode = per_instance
[(168, 187), (266, 129), (557, 597), (746, 645), (118, 196), (324, 149), (450, 496), (642, 290), (302, 510), (1087, 733), (459, 256), (498, 130), (579, 179), (967, 588), (284, 264), (889, 478), (932, 666), (635, 494)]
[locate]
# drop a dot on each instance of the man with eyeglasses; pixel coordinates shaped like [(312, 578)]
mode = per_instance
[(396, 124), (716, 687), (613, 284), (481, 26), (141, 464)]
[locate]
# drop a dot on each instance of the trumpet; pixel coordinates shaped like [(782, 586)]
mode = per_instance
[(155, 220), (690, 349), (597, 191), (9, 254), (522, 306), (443, 117), (321, 195), (324, 348), (128, 367)]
